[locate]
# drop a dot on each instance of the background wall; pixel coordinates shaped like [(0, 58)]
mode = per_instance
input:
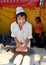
[(7, 16)]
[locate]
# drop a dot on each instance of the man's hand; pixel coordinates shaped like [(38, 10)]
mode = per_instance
[(21, 49), (24, 45)]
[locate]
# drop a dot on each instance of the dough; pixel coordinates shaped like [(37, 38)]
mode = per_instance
[(44, 58), (26, 60), (37, 57), (43, 63), (3, 60), (18, 59), (20, 50), (5, 57), (10, 54), (7, 54)]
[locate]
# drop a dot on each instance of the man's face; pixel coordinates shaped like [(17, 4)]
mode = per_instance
[(21, 20)]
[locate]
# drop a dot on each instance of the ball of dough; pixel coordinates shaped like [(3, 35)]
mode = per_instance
[(44, 58), (37, 57), (18, 59), (26, 60), (43, 63)]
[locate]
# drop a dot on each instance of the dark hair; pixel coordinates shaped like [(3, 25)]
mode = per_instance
[(21, 14), (38, 18)]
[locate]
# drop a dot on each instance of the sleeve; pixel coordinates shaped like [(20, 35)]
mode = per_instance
[(12, 30), (30, 32)]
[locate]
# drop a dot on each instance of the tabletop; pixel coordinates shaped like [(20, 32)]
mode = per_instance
[(40, 51)]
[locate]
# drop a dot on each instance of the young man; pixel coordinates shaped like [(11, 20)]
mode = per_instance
[(21, 29)]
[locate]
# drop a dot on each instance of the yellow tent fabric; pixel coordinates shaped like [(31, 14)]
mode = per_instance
[(7, 16)]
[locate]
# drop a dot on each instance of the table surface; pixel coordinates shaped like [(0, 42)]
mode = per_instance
[(40, 51)]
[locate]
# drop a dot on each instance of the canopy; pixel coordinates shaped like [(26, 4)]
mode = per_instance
[(14, 3)]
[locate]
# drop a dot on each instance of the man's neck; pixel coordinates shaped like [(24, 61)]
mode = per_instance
[(20, 27)]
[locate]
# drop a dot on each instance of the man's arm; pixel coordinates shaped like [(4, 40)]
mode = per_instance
[(17, 42), (26, 43)]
